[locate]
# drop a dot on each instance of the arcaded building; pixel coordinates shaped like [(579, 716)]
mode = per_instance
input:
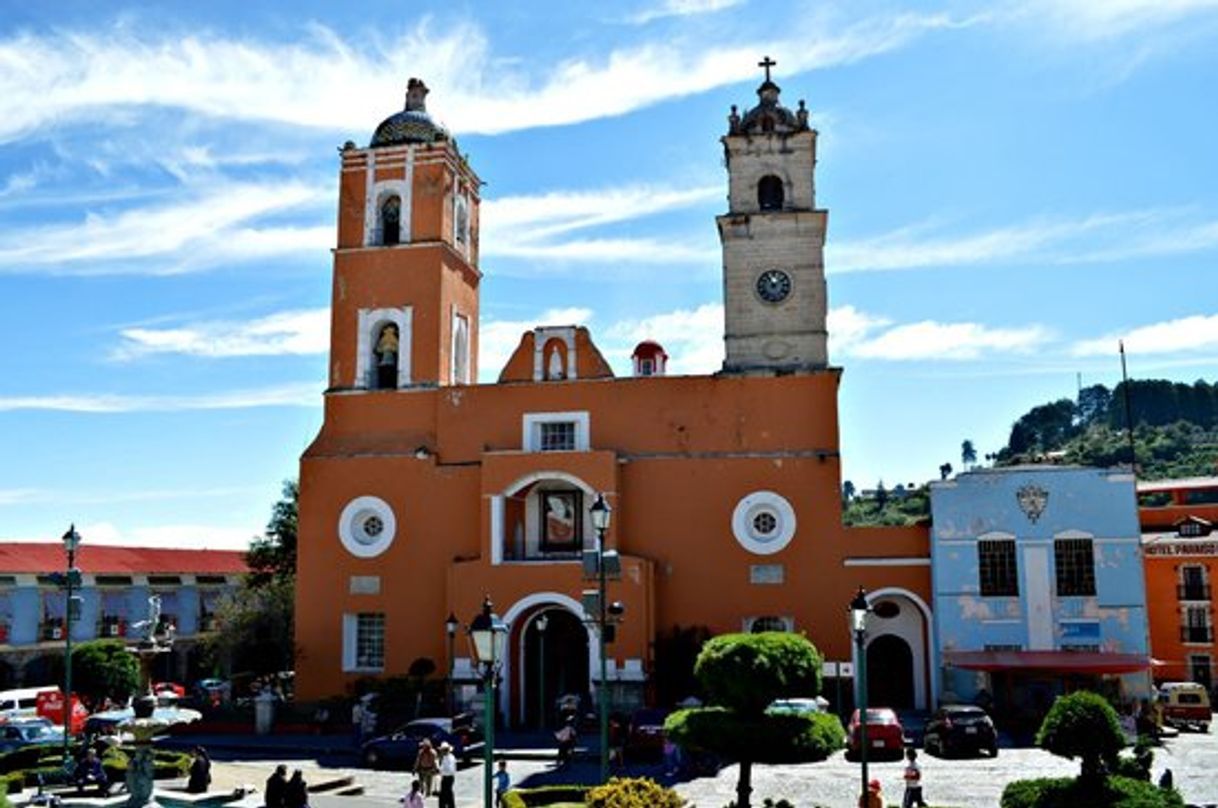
[(425, 491)]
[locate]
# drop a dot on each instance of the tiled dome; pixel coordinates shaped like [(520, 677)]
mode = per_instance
[(412, 124)]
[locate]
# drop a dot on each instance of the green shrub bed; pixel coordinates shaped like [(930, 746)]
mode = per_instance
[(1071, 792), (545, 795)]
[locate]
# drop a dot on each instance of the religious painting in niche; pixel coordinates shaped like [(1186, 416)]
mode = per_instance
[(560, 521)]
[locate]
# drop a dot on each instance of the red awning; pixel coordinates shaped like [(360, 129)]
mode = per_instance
[(1056, 661)]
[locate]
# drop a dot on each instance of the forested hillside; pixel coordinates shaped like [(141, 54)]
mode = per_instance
[(1175, 435)]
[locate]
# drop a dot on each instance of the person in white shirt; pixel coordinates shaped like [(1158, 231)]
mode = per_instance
[(448, 776), (913, 781)]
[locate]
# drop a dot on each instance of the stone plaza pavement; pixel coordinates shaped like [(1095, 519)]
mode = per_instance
[(973, 783)]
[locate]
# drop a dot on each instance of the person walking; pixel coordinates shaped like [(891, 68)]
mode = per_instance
[(566, 737), (503, 781), (296, 795), (200, 771), (913, 781), (276, 788), (415, 798), (448, 776), (426, 766), (357, 722)]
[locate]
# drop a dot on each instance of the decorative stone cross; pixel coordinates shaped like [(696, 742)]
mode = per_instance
[(767, 63)]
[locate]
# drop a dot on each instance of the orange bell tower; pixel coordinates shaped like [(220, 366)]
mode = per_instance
[(405, 299)]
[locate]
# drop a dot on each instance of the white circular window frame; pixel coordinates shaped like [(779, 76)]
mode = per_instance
[(755, 504), (351, 532)]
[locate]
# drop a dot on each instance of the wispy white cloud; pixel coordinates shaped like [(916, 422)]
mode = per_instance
[(497, 339), (692, 338), (1107, 19), (1099, 237), (283, 333), (1182, 335), (289, 395), (949, 341), (681, 8), (66, 76), (190, 535), (538, 227), (848, 326), (217, 223)]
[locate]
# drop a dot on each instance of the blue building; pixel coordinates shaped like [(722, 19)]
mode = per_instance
[(116, 583), (1036, 574)]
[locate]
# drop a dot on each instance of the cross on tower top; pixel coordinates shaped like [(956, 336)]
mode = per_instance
[(767, 63)]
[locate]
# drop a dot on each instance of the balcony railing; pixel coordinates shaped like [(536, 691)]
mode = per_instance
[(1193, 591), (1196, 634)]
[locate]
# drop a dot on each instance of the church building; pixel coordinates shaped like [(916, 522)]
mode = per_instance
[(426, 491)]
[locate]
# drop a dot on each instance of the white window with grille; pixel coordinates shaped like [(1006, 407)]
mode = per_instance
[(364, 641), (556, 432)]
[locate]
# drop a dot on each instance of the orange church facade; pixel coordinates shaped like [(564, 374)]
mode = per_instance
[(425, 491)]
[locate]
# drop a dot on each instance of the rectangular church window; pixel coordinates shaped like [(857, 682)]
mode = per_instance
[(996, 562), (1075, 562), (558, 436)]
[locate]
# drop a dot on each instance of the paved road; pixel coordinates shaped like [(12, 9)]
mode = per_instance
[(833, 783)]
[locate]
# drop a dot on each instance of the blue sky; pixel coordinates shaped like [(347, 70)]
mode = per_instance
[(1011, 187)]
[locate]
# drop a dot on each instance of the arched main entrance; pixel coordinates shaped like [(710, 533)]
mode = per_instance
[(555, 664), (890, 673)]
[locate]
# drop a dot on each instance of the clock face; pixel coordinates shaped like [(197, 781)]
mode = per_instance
[(773, 285)]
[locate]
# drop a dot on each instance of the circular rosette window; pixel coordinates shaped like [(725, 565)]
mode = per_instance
[(763, 522), (367, 526)]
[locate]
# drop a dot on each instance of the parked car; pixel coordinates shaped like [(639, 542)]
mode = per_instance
[(797, 706), (23, 732), (399, 748), (1185, 705), (645, 734), (958, 728), (885, 735)]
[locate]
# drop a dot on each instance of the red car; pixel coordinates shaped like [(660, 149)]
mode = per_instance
[(885, 735)]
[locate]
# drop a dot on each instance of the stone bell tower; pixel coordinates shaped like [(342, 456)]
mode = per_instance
[(773, 241), (404, 306)]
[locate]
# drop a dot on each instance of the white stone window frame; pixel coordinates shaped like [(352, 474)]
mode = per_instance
[(351, 521), (530, 439), (459, 360), (746, 625), (350, 648), (749, 508), (375, 194), (371, 321), (461, 223)]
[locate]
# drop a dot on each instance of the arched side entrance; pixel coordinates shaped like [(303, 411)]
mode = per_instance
[(554, 665), (570, 658), (900, 623), (890, 673)]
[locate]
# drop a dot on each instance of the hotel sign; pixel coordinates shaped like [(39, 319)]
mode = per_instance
[(1181, 548)]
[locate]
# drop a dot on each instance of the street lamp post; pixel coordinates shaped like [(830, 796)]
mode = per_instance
[(71, 541), (450, 628), (858, 623), (542, 624), (488, 639), (601, 513)]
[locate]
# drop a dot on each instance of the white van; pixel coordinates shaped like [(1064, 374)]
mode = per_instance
[(21, 703)]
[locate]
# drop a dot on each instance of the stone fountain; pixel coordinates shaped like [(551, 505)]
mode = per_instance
[(149, 720)]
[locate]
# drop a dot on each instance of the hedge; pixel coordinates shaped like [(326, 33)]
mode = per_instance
[(1071, 792), (763, 739), (544, 795), (633, 792)]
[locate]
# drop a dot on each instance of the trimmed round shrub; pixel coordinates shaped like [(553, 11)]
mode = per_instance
[(748, 671), (633, 792), (1070, 792), (762, 739), (1085, 726)]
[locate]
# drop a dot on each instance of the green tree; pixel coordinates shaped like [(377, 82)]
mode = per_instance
[(968, 453), (272, 557), (104, 669), (1085, 726), (945, 471), (741, 674), (848, 491)]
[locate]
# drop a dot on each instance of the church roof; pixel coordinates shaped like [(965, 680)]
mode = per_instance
[(769, 115), (46, 557), (413, 124)]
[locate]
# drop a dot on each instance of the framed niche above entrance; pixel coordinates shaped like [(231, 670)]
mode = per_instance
[(561, 521)]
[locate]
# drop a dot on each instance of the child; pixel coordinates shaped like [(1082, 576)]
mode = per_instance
[(873, 798), (913, 781), (415, 798), (503, 781)]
